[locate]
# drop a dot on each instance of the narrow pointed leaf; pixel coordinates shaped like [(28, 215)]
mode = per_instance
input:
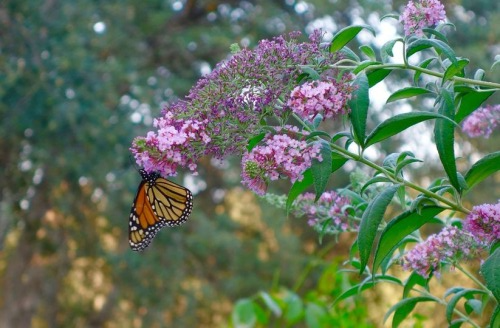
[(342, 37), (271, 303), (368, 51), (452, 303), (470, 100), (376, 76), (440, 46), (386, 50), (321, 170), (491, 273), (445, 139), (455, 70), (404, 307), (407, 93), (400, 227), (298, 188), (482, 169), (398, 123), (370, 222), (359, 107)]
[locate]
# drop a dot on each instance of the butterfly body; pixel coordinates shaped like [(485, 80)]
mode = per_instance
[(159, 202)]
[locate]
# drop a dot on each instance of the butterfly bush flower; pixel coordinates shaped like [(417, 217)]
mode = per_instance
[(449, 246), (420, 14), (483, 222), (330, 209), (173, 144), (232, 100), (317, 97), (482, 122), (279, 156)]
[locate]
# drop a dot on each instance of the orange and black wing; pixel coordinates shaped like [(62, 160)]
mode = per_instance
[(159, 202)]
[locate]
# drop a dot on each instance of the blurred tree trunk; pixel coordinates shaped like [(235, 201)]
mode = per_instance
[(27, 280)]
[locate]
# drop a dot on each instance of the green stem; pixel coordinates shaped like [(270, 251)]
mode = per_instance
[(471, 277), (425, 71), (389, 175), (399, 180)]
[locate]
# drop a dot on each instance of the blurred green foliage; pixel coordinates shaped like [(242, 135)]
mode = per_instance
[(78, 81)]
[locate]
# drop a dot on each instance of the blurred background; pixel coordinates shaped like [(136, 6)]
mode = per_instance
[(80, 79)]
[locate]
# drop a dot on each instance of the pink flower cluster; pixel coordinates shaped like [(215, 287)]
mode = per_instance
[(279, 156), (326, 98), (449, 246), (483, 222), (421, 14), (329, 209), (482, 122), (173, 144)]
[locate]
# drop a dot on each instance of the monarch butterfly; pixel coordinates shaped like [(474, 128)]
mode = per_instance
[(158, 203)]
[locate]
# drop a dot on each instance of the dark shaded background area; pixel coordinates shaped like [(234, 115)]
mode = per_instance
[(78, 81)]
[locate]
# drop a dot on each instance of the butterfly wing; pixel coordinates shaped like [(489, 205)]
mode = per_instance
[(171, 202), (158, 202)]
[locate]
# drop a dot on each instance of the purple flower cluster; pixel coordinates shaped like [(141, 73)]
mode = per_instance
[(279, 156), (330, 209), (421, 14), (175, 143), (317, 97), (225, 108), (449, 246), (483, 222), (482, 122)]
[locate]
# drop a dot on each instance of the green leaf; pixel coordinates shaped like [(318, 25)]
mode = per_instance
[(479, 74), (255, 140), (400, 227), (321, 171), (347, 53), (376, 76), (294, 308), (313, 75), (368, 51), (359, 107), (496, 62), (473, 305), (491, 273), (315, 134), (452, 303), (482, 169), (495, 318), (440, 46), (445, 139), (370, 222), (364, 65), (398, 123), (404, 307), (386, 50), (316, 316), (470, 100), (423, 64), (337, 162), (415, 279), (437, 34), (376, 179), (271, 303), (298, 188), (407, 93), (455, 70), (342, 37), (243, 314), (367, 284), (394, 16)]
